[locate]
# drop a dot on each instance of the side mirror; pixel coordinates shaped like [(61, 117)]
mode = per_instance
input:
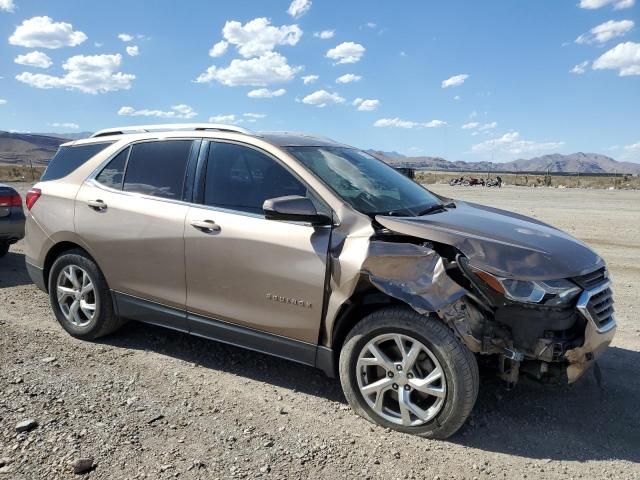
[(294, 208)]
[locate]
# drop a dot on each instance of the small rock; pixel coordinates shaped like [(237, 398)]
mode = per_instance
[(83, 465), (265, 469), (48, 359), (5, 469), (26, 425), (268, 443), (164, 468), (155, 418), (4, 461)]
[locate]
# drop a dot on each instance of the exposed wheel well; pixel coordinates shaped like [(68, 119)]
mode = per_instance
[(55, 251), (361, 304)]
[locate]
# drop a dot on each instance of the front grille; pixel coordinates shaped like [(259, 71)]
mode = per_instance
[(600, 308), (592, 279)]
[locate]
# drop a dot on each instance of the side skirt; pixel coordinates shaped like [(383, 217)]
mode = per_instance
[(146, 311)]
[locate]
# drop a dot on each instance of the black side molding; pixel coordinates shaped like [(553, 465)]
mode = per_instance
[(147, 311)]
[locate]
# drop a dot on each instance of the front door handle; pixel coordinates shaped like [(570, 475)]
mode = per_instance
[(207, 226), (98, 205)]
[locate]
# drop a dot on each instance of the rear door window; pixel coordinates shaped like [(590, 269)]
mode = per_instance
[(67, 159), (112, 175), (158, 168)]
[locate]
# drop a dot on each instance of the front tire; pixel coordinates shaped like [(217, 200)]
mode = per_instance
[(80, 297), (408, 372)]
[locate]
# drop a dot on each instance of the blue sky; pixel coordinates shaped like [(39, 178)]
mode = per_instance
[(465, 80)]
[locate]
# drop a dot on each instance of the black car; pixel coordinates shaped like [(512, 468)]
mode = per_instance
[(11, 218)]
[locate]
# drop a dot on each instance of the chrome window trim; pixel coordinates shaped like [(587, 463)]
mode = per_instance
[(583, 302)]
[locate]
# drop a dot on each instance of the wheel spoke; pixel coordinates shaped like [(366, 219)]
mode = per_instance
[(400, 345), (88, 309), (64, 292), (404, 402), (425, 385), (381, 359), (86, 288), (377, 386), (73, 312), (412, 356)]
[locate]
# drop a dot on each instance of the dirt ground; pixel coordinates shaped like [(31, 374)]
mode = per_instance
[(151, 403)]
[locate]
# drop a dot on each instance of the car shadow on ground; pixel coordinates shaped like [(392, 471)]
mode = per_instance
[(581, 422), (13, 272)]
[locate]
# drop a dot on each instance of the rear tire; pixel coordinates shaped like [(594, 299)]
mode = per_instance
[(4, 249), (431, 395), (80, 297)]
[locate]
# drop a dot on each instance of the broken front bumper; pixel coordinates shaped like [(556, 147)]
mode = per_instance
[(600, 329)]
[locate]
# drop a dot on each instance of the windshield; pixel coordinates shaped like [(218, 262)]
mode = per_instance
[(366, 183)]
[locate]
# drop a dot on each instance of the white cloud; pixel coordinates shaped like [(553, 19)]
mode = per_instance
[(219, 49), (470, 125), (455, 81), (322, 98), (580, 68), (633, 148), (125, 37), (34, 59), (177, 111), (512, 143), (346, 52), (254, 115), (266, 93), (7, 5), (42, 32), (366, 105), (265, 70), (624, 57), (299, 8), (399, 123), (3, 101), (488, 126), (325, 34), (89, 74), (98, 44), (307, 79), (617, 4), (230, 119), (133, 50), (457, 97), (71, 125), (606, 31), (258, 36), (348, 78), (372, 24)]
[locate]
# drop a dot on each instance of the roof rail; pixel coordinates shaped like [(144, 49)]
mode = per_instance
[(171, 126)]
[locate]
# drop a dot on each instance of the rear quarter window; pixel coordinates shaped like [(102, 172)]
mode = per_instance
[(67, 159)]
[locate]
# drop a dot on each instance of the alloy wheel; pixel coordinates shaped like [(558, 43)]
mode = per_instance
[(401, 379), (76, 295)]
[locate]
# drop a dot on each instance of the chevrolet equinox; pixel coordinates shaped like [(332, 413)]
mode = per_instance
[(313, 251)]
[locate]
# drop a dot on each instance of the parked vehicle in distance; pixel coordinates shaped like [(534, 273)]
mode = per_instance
[(11, 218), (316, 252)]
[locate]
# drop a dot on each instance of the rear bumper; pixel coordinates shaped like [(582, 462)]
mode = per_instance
[(12, 227), (37, 276)]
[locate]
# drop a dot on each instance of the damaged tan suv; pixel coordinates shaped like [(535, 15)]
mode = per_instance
[(316, 252)]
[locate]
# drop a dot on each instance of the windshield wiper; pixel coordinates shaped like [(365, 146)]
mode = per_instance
[(432, 208)]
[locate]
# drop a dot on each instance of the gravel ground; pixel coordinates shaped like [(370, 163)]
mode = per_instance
[(151, 403)]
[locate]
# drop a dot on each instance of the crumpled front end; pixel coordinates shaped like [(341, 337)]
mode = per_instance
[(554, 344)]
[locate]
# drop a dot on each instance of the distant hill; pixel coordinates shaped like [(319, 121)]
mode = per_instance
[(556, 163), (22, 148)]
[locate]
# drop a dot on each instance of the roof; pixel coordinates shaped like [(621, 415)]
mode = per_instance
[(280, 139), (294, 139)]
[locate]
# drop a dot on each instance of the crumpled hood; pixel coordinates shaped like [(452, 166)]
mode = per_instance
[(502, 243)]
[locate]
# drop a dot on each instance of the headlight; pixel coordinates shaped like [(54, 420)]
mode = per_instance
[(552, 293)]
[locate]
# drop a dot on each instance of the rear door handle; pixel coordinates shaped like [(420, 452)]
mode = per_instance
[(207, 226), (97, 205)]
